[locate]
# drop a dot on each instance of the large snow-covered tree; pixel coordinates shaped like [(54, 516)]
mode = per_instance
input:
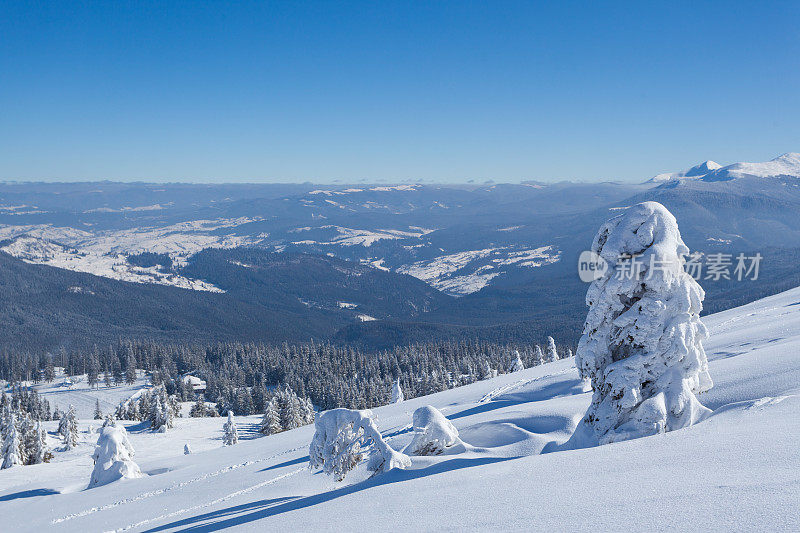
[(642, 342), (342, 437), (113, 457)]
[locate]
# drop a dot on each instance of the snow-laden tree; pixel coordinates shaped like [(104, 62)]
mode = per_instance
[(292, 410), (642, 342), (517, 365), (489, 372), (98, 414), (552, 353), (63, 425), (341, 439), (41, 451), (538, 356), (113, 457), (12, 445), (70, 429), (397, 392), (230, 433), (433, 433), (271, 422), (186, 449), (308, 411)]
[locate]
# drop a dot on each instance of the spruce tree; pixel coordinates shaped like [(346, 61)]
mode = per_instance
[(12, 455), (231, 435), (271, 422)]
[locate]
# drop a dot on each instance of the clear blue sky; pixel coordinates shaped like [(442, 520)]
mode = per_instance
[(444, 91)]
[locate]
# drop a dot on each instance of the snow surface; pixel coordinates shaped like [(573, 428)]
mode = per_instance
[(739, 470)]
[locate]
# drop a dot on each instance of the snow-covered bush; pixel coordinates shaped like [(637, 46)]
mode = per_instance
[(552, 353), (113, 457), (397, 392), (230, 433), (343, 436), (433, 433), (642, 342)]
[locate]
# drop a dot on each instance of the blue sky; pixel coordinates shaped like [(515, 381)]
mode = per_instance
[(433, 91)]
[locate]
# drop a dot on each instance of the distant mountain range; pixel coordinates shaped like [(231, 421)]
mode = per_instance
[(376, 264)]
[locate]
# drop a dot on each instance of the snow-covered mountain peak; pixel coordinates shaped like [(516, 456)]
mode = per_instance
[(785, 165), (696, 171), (702, 169)]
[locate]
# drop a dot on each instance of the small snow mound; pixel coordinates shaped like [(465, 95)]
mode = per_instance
[(433, 433)]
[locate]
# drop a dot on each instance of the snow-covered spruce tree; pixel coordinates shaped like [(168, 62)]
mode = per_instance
[(291, 410), (113, 457), (342, 437), (63, 424), (517, 365), (538, 356), (307, 409), (433, 433), (71, 429), (199, 408), (642, 342), (552, 353), (12, 445), (271, 422), (230, 434), (186, 449), (98, 414), (41, 451), (27, 436), (397, 392)]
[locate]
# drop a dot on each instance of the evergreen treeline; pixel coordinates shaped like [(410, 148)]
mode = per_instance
[(241, 377)]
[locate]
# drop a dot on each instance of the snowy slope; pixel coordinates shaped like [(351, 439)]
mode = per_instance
[(739, 470)]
